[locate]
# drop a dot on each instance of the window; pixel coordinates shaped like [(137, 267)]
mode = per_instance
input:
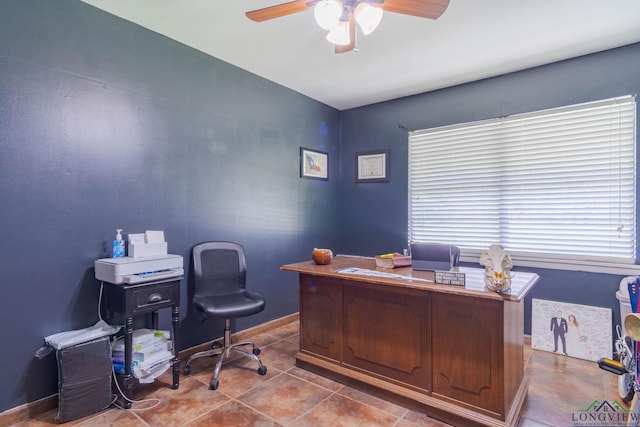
[(553, 187)]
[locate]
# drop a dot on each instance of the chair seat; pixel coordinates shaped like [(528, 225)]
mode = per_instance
[(240, 303)]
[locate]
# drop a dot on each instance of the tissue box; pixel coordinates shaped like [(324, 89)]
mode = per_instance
[(137, 250)]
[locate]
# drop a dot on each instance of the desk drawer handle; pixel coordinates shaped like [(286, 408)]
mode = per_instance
[(154, 298)]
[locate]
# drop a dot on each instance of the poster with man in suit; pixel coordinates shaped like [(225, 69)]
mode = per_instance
[(559, 329), (588, 339)]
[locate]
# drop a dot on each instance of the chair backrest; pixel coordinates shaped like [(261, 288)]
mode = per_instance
[(218, 268)]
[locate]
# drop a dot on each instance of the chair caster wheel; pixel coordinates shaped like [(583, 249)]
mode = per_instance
[(262, 370), (256, 351), (186, 370), (213, 385)]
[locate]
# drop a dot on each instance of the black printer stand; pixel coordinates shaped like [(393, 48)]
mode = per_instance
[(133, 300)]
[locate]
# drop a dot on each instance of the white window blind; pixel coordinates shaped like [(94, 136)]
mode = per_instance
[(553, 184)]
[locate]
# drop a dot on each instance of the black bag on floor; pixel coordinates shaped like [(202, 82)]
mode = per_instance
[(84, 379)]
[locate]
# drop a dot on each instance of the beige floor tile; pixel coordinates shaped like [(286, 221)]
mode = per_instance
[(280, 355), (340, 411), (284, 397), (233, 414), (315, 379), (178, 407), (369, 400)]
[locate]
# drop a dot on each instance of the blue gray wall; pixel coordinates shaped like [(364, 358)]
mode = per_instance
[(106, 125), (374, 215)]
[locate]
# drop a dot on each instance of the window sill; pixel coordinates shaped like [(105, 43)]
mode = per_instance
[(614, 268)]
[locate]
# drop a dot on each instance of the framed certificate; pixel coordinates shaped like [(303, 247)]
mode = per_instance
[(372, 166)]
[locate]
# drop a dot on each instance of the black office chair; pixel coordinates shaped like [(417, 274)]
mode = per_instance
[(220, 273)]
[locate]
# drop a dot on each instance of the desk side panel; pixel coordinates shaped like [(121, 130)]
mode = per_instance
[(321, 316), (386, 333), (468, 352), (513, 350)]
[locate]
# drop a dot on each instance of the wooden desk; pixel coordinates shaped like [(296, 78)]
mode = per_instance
[(456, 353)]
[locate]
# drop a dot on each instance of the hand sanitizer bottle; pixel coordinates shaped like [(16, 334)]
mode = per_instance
[(118, 245)]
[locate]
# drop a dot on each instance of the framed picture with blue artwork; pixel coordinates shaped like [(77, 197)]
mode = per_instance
[(314, 164)]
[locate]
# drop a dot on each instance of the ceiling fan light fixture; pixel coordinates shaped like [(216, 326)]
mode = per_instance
[(368, 17), (339, 34), (327, 13)]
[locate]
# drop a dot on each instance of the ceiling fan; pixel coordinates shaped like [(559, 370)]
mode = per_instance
[(341, 16)]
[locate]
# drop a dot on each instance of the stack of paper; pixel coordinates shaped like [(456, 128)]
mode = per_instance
[(151, 354)]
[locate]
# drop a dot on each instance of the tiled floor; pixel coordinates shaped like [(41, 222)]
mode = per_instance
[(289, 396)]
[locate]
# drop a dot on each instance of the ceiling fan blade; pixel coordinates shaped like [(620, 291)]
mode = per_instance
[(279, 10), (342, 48), (431, 9)]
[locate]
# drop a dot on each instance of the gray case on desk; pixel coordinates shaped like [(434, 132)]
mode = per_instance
[(433, 256), (84, 379)]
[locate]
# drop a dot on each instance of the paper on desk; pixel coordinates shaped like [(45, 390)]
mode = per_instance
[(365, 272)]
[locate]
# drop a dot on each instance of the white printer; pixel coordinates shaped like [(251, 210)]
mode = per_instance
[(130, 270)]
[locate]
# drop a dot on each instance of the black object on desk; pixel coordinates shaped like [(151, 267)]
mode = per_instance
[(133, 300)]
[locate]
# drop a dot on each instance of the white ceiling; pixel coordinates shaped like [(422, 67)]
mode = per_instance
[(406, 55)]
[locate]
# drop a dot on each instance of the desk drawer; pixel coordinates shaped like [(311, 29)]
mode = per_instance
[(132, 300), (152, 298)]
